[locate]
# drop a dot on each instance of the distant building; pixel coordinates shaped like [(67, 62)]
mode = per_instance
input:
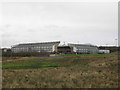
[(36, 47), (103, 51), (111, 48), (84, 48), (54, 47)]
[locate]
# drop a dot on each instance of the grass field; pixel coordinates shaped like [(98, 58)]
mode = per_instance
[(102, 55), (75, 71), (26, 64)]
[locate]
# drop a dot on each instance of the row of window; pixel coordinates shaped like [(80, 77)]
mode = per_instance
[(48, 50), (83, 49), (42, 47), (86, 50), (33, 48)]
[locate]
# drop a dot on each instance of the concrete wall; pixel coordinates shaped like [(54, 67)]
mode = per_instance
[(79, 48), (40, 47)]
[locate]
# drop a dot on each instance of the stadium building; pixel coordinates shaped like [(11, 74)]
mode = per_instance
[(53, 47), (84, 48), (36, 47)]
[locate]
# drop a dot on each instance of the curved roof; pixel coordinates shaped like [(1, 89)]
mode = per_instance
[(24, 44), (81, 44)]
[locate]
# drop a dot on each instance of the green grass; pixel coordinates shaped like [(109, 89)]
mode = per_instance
[(35, 62), (28, 65), (87, 54), (69, 72)]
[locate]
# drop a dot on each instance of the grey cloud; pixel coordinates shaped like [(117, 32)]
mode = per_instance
[(71, 22), (8, 25)]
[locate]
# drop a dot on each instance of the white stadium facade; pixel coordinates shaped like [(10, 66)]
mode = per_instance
[(84, 48), (36, 47), (53, 47)]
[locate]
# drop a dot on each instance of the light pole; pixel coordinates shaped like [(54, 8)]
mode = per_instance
[(116, 41)]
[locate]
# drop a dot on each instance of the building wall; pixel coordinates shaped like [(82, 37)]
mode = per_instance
[(40, 47), (78, 48), (52, 47)]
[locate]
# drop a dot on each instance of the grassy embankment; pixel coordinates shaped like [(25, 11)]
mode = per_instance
[(77, 71), (31, 63)]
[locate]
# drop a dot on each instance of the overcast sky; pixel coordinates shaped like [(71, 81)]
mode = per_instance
[(81, 22)]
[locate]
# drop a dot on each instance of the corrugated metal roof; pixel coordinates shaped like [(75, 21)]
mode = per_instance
[(82, 44), (24, 44)]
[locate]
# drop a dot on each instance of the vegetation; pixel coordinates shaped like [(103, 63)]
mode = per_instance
[(24, 54), (111, 54), (64, 72), (28, 65)]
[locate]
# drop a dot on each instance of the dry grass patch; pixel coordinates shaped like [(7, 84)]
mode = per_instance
[(74, 72)]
